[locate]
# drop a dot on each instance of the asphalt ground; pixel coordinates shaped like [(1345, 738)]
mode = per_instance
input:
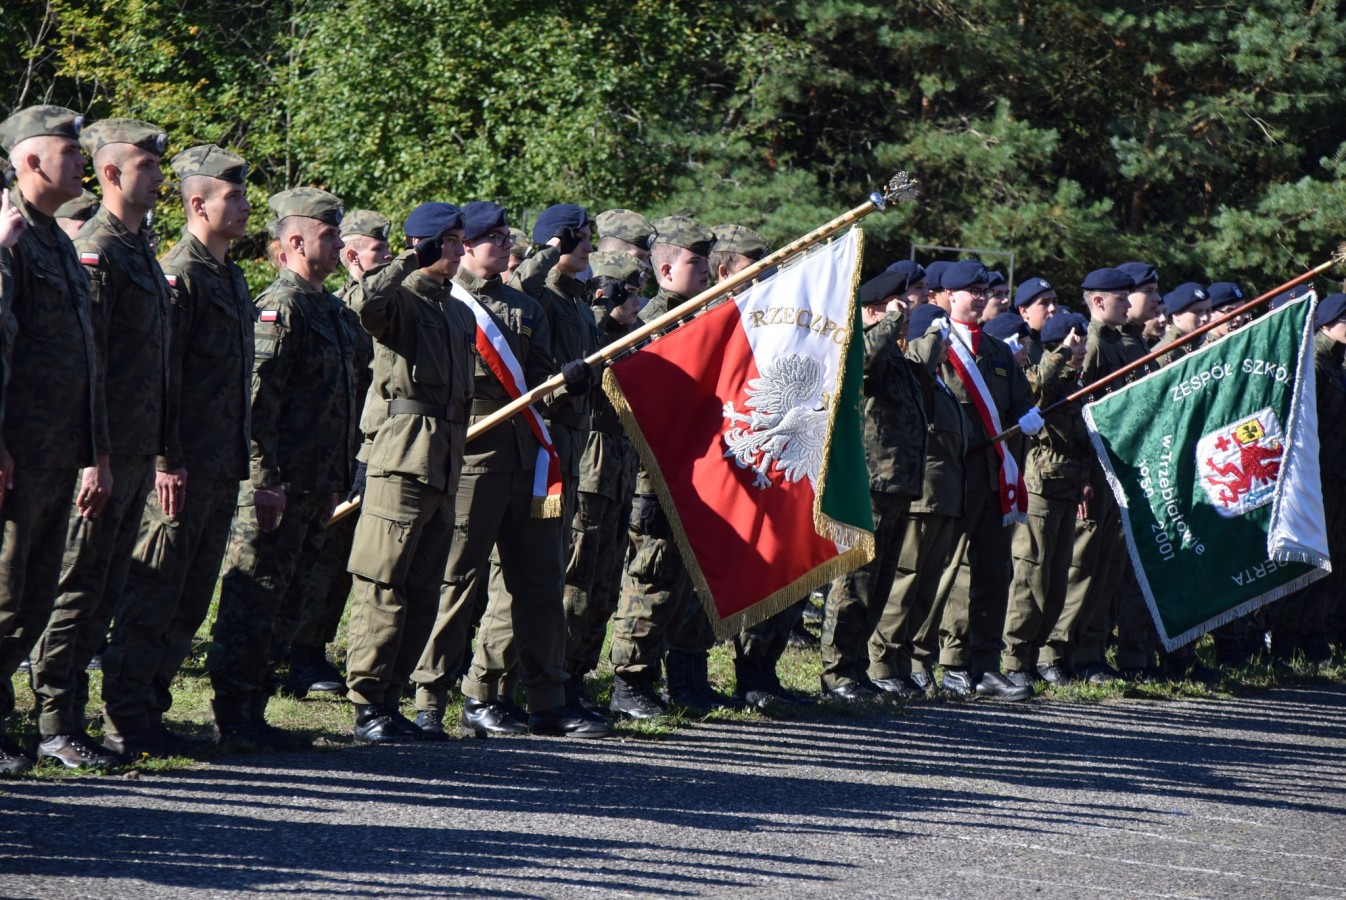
[(1225, 798)]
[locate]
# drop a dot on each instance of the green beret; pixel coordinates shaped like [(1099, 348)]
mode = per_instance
[(147, 137), (625, 225), (684, 232), (211, 161), (619, 265), (737, 239), (82, 207), (36, 121), (522, 243), (311, 203), (366, 222)]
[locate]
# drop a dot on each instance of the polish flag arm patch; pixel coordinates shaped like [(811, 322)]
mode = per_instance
[(172, 280), (89, 257), (269, 315)]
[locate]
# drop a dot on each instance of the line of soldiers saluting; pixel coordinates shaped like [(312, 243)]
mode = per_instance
[(196, 428)]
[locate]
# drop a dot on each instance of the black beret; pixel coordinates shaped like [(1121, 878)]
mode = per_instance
[(962, 275), (1183, 296), (1006, 324), (1110, 280), (1058, 326)]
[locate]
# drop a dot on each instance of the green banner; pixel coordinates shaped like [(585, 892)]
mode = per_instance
[(1208, 457)]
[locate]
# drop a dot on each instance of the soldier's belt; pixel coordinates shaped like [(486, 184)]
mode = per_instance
[(607, 425), (570, 420), (486, 407), (450, 413)]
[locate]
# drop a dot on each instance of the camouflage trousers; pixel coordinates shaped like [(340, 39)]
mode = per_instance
[(522, 625), (857, 599), (759, 647), (93, 574), (1042, 550), (34, 523), (265, 581), (907, 636), (400, 549), (173, 573)]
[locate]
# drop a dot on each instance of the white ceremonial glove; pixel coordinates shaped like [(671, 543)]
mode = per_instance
[(1030, 423)]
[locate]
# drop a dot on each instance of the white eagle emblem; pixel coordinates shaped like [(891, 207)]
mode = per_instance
[(783, 429)]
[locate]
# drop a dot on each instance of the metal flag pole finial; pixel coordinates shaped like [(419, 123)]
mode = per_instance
[(901, 187)]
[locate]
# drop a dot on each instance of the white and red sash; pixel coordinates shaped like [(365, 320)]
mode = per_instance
[(502, 362), (1013, 494)]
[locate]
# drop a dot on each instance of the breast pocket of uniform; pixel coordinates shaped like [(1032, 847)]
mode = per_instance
[(217, 331), (431, 365), (137, 311), (49, 310)]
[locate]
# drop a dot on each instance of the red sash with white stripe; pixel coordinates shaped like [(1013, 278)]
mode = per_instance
[(1013, 494), (502, 362)]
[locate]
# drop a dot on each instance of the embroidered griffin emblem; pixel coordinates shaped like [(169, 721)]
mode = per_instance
[(779, 426)]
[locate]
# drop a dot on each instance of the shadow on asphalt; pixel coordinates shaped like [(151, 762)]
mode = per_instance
[(256, 823)]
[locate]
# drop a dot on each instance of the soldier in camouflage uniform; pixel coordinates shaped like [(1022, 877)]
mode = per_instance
[(624, 231), (423, 378), (72, 216), (54, 417), (518, 251), (303, 403), (607, 484), (657, 598), (895, 445), (365, 235), (131, 315), (183, 533), (1055, 473), (495, 507)]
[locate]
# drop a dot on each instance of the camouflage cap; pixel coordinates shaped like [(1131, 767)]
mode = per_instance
[(273, 227), (368, 223), (211, 161), (309, 202), (625, 225), (147, 137), (82, 207), (36, 121), (618, 265), (522, 245), (684, 232), (737, 239)]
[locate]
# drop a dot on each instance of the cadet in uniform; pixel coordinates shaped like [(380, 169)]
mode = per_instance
[(72, 216), (895, 443), (185, 528), (303, 402), (495, 506), (423, 370), (55, 424), (365, 235), (1035, 301), (912, 284), (131, 311), (624, 231)]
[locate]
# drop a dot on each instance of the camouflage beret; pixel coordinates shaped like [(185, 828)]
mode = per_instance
[(308, 202), (368, 223), (625, 225), (737, 239), (211, 161), (618, 265), (522, 245), (147, 137), (82, 207), (681, 231), (36, 121)]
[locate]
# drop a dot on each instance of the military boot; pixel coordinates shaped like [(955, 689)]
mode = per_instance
[(373, 725), (636, 700), (312, 673), (12, 758), (689, 684), (430, 722), (579, 702), (757, 686)]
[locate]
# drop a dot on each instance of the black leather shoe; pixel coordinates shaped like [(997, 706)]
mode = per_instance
[(1054, 674), (404, 725), (1096, 673), (897, 688), (430, 723), (259, 736), (998, 687), (767, 694), (579, 701), (566, 722), (155, 742), (76, 751), (922, 680), (490, 719), (853, 692), (959, 683), (312, 673), (1022, 679), (12, 758), (1195, 670), (373, 725), (636, 701)]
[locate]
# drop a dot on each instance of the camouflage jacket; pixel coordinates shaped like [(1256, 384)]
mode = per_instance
[(895, 424), (364, 360), (1331, 384), (303, 389), (573, 336), (609, 455), (509, 446), (424, 360), (1011, 394), (132, 319), (944, 485), (210, 364), (1058, 456), (54, 415), (662, 302)]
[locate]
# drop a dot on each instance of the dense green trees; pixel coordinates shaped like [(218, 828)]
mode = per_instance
[(1073, 133)]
